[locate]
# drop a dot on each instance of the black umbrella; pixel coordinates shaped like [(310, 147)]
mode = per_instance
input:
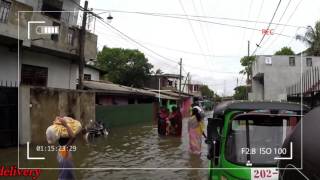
[(305, 162)]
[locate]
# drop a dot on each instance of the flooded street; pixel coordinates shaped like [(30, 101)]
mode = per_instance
[(127, 147)]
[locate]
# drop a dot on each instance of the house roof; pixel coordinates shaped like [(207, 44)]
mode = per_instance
[(111, 88), (177, 76)]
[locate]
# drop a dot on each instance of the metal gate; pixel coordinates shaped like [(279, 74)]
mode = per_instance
[(8, 116)]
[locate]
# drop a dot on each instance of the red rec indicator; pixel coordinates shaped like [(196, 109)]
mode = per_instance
[(267, 31)]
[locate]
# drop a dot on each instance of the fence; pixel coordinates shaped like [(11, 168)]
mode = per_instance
[(308, 86)]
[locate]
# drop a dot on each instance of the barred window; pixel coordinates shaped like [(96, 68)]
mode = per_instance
[(309, 62), (4, 10), (292, 61), (34, 75)]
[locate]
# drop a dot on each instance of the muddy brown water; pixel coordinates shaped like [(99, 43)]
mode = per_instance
[(126, 147)]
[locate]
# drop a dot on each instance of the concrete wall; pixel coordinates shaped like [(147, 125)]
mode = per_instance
[(8, 65), (46, 104), (95, 74), (257, 91), (24, 115), (277, 76), (61, 72)]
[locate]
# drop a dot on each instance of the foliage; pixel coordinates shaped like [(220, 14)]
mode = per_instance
[(124, 66), (240, 93), (217, 98), (247, 62), (285, 51), (206, 91), (159, 71), (312, 39)]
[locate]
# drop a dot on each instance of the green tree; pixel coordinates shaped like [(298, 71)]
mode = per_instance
[(247, 62), (312, 39), (285, 51), (240, 93), (124, 66), (159, 71), (206, 91)]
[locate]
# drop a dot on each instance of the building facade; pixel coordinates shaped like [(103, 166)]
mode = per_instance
[(165, 81), (39, 48), (49, 60), (271, 75)]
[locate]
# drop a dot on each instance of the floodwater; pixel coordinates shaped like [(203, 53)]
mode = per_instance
[(126, 147)]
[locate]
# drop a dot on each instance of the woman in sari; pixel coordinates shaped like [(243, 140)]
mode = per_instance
[(196, 130)]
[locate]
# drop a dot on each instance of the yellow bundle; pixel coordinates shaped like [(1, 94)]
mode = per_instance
[(57, 130), (74, 125)]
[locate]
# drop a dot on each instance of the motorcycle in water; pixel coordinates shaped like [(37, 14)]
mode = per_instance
[(95, 129)]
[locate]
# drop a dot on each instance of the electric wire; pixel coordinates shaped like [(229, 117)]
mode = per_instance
[(184, 16), (284, 12), (288, 20), (191, 26), (274, 14)]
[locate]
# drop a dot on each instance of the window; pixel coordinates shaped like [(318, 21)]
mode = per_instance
[(309, 62), (268, 60), (34, 75), (87, 77), (55, 37), (70, 36), (170, 83), (292, 61), (49, 5), (4, 10)]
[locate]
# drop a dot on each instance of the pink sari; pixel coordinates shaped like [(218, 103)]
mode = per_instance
[(195, 135)]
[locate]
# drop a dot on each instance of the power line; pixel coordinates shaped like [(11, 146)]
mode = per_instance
[(192, 29), (245, 30), (207, 28), (177, 50), (163, 57), (136, 42), (258, 45), (284, 12), (127, 38), (170, 15), (288, 20), (201, 26), (192, 53), (259, 13)]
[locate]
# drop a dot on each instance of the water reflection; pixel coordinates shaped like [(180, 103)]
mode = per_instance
[(130, 147)]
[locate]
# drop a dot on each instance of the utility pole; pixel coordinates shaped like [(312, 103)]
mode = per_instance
[(247, 97), (180, 79), (185, 81), (82, 44)]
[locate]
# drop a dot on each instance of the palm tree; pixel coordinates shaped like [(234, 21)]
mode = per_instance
[(312, 39)]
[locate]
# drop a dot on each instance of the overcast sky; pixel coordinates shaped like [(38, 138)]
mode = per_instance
[(210, 52)]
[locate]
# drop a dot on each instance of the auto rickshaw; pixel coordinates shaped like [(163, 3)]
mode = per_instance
[(245, 138)]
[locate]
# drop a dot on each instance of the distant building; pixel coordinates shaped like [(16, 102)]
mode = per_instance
[(48, 60), (166, 81), (271, 75), (194, 89)]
